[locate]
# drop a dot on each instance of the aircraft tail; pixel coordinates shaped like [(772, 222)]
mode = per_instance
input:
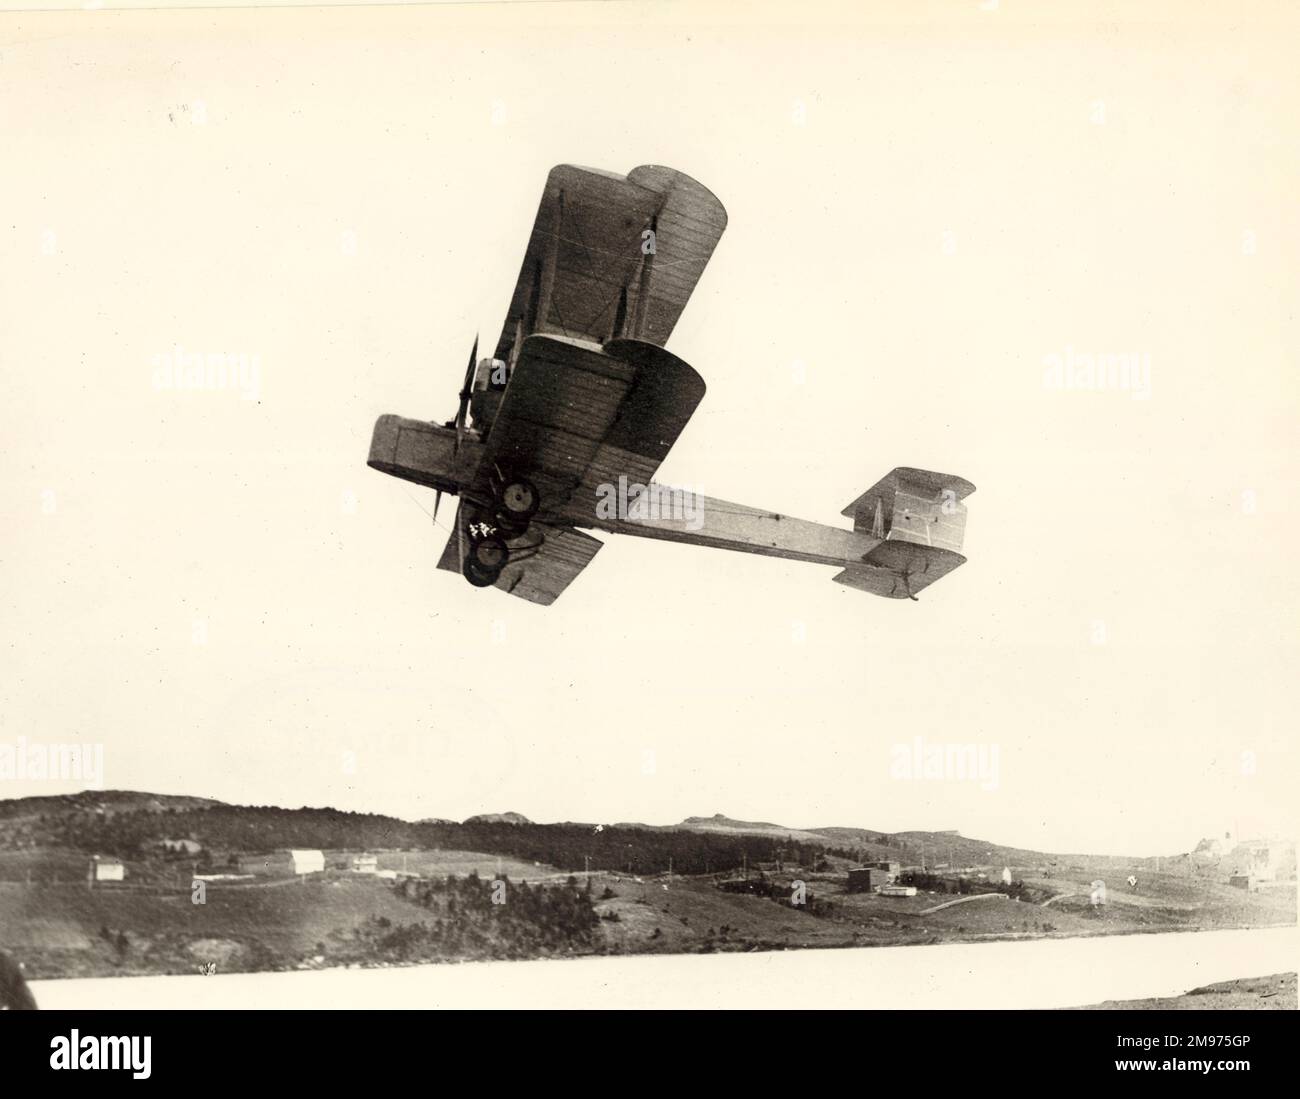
[(920, 519)]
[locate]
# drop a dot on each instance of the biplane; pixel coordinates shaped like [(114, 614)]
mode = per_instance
[(562, 429)]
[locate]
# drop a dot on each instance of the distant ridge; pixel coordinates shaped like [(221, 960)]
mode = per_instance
[(498, 818), (720, 822), (101, 801)]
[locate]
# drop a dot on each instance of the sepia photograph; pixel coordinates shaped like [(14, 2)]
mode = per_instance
[(649, 506)]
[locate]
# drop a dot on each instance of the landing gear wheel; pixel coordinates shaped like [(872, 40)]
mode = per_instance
[(477, 575), (518, 501), (489, 553)]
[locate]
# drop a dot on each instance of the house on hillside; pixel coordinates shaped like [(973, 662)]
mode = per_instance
[(106, 869), (868, 879), (307, 861)]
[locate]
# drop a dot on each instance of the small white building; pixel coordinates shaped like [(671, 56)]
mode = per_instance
[(307, 862), (105, 869), (365, 864)]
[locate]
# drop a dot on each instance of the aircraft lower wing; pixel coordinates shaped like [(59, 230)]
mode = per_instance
[(543, 562), (664, 395), (576, 420), (612, 256)]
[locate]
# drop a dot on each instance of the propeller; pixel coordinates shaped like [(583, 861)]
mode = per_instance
[(466, 391), (460, 536)]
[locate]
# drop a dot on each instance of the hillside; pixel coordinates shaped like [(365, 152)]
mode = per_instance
[(123, 822), (498, 818), (863, 844), (727, 826), (131, 826), (706, 884), (100, 802)]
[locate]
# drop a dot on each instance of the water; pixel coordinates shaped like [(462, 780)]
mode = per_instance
[(1043, 973)]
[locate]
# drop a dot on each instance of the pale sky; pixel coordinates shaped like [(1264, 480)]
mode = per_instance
[(220, 592)]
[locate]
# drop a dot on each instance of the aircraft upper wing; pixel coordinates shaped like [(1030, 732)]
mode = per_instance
[(589, 273)]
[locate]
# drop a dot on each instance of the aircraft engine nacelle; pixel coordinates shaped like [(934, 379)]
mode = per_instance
[(425, 453)]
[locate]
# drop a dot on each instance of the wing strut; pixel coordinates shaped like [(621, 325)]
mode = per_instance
[(643, 283)]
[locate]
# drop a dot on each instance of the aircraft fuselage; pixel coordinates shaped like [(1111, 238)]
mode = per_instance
[(426, 454)]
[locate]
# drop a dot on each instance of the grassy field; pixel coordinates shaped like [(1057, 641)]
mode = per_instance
[(43, 864), (58, 926), (60, 930), (662, 915)]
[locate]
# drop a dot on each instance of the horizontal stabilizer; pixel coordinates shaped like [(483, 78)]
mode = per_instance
[(898, 570)]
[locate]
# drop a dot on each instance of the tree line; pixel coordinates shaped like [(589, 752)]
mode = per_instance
[(136, 833)]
